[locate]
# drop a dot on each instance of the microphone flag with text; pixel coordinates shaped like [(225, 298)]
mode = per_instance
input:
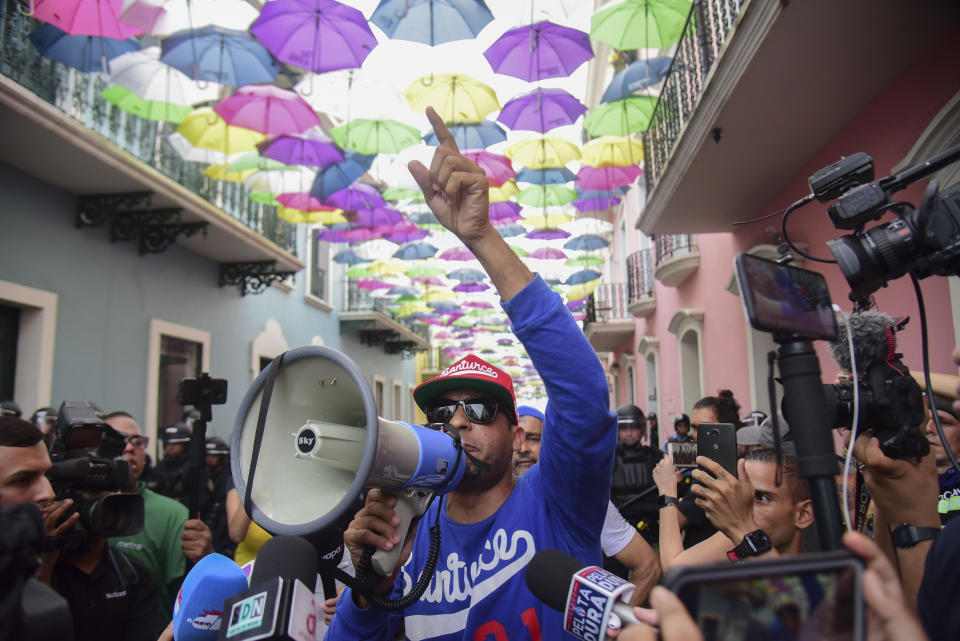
[(198, 610), (589, 597)]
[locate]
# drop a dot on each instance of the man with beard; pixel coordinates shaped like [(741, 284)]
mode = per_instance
[(493, 523)]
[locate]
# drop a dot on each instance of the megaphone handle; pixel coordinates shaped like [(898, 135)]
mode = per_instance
[(411, 504)]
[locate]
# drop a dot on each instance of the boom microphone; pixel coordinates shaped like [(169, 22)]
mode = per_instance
[(586, 596), (280, 602), (198, 610)]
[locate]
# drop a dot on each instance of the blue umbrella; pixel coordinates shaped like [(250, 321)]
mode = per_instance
[(509, 231), (466, 274), (582, 276), (340, 175), (444, 305), (221, 55), (85, 53), (423, 218), (415, 250), (555, 176), (403, 290), (349, 257), (431, 22), (595, 193), (472, 135), (586, 242), (636, 76)]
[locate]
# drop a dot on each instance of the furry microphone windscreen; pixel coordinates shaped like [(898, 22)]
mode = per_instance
[(871, 339)]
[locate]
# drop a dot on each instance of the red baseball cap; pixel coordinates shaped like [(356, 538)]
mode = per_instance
[(470, 372)]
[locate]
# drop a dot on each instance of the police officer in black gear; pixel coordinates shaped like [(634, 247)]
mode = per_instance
[(213, 494), (633, 465), (170, 473)]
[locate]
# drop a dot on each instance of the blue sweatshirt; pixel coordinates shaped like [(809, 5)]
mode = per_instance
[(478, 590)]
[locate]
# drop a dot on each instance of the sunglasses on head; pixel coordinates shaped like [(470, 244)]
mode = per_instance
[(478, 410)]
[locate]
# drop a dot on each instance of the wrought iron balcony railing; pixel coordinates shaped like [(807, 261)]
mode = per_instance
[(77, 95), (607, 303), (640, 274), (361, 300), (708, 25), (672, 245)]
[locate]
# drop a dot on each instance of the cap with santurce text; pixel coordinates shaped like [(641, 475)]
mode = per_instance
[(470, 372)]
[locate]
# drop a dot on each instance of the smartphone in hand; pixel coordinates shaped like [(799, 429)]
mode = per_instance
[(718, 442)]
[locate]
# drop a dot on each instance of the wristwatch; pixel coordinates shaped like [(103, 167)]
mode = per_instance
[(907, 536), (663, 501), (753, 544)]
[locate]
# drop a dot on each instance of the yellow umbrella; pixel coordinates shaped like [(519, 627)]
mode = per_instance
[(205, 129), (576, 292), (504, 191), (221, 172), (388, 266), (543, 152), (409, 309), (612, 151), (547, 220), (456, 97), (434, 294), (292, 215)]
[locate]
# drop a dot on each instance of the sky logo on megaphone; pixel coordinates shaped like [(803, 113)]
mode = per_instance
[(306, 440)]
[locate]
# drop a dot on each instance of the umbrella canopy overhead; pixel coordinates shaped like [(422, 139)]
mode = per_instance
[(221, 55), (621, 117), (546, 195), (431, 22), (541, 110), (163, 17), (635, 77), (340, 175), (311, 148), (497, 167), (205, 129), (543, 152), (375, 136), (144, 74), (146, 109), (85, 17), (268, 109), (554, 176), (472, 135), (456, 97), (640, 24), (84, 53), (607, 177), (540, 50), (607, 151)]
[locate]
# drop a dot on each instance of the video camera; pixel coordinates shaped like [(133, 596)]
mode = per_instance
[(88, 468)]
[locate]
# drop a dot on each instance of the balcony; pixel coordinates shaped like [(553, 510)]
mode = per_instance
[(372, 319), (677, 258), (608, 323), (642, 301), (56, 127), (758, 88)]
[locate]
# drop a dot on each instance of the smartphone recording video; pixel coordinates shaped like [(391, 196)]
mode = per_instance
[(683, 455), (814, 596)]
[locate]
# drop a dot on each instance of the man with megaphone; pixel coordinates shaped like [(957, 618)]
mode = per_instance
[(493, 523)]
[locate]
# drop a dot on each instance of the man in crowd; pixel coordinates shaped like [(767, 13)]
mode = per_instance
[(213, 496), (681, 432), (653, 429), (618, 540), (492, 523), (170, 475), (168, 538), (631, 490)]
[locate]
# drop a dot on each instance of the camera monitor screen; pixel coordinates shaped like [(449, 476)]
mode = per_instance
[(785, 300), (821, 603)]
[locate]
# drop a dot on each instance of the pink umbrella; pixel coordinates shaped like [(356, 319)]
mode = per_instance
[(479, 304), (547, 253), (358, 235), (607, 177), (85, 17), (268, 109), (378, 217), (497, 167), (430, 281), (373, 284), (405, 232), (303, 202), (458, 253)]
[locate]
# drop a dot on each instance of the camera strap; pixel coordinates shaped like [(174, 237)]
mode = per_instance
[(272, 369)]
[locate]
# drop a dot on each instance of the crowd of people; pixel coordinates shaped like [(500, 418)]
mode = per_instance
[(597, 484)]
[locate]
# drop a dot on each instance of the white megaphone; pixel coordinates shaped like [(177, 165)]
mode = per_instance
[(304, 456)]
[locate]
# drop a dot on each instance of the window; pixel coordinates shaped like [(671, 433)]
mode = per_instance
[(631, 392), (35, 334), (397, 401), (412, 408), (318, 271), (616, 389), (379, 388), (9, 334), (690, 368)]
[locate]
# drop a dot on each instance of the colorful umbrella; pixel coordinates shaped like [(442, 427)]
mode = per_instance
[(292, 215), (340, 175), (607, 177), (163, 17), (349, 257), (375, 136), (426, 220), (431, 22), (467, 274), (595, 204), (142, 73), (219, 55), (541, 110), (471, 135), (576, 292), (543, 152), (415, 251), (267, 109), (540, 50), (584, 260), (457, 97), (311, 148), (223, 172), (504, 191), (377, 248), (303, 201), (546, 195), (586, 242), (396, 194), (188, 152), (147, 109), (253, 160), (424, 271), (405, 232), (84, 53), (280, 182), (373, 284), (387, 267), (471, 287), (497, 167), (85, 17), (548, 233), (621, 117), (640, 24), (553, 176), (607, 151), (509, 231), (547, 253), (458, 252), (635, 77), (378, 217), (204, 129), (547, 220), (318, 35), (357, 196), (504, 211)]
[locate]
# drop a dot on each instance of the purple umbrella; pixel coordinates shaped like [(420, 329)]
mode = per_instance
[(547, 253), (378, 217), (471, 287), (548, 233), (356, 196), (319, 35), (594, 204), (607, 177), (406, 232), (312, 149), (503, 211), (373, 283), (331, 236), (541, 110), (359, 235), (538, 51)]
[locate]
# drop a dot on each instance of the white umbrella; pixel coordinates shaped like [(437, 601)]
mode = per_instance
[(163, 17), (142, 73), (282, 181), (195, 154)]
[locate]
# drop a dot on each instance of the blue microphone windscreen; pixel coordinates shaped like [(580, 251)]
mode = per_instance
[(198, 611)]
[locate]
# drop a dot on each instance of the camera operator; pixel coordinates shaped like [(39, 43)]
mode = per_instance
[(168, 538)]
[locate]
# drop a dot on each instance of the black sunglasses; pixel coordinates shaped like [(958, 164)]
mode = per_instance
[(478, 410)]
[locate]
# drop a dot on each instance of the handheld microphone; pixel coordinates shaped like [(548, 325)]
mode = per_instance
[(587, 596), (280, 602), (198, 610)]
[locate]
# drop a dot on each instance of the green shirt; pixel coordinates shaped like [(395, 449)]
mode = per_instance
[(158, 544)]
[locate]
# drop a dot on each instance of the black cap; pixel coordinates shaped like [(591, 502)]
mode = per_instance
[(216, 445), (176, 434), (630, 414)]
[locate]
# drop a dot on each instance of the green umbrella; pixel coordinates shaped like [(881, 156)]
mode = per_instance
[(621, 117), (147, 109), (253, 160), (264, 197), (360, 271), (546, 195), (586, 260), (519, 251), (399, 193), (424, 271), (640, 24), (375, 136)]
